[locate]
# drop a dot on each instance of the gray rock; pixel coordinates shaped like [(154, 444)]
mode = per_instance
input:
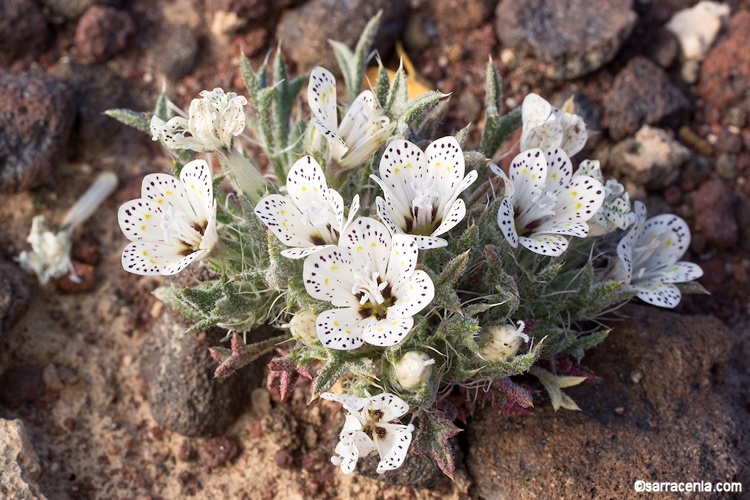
[(22, 385), (656, 412), (16, 294), (182, 392), (663, 48), (36, 115), (23, 30), (305, 31), (173, 52), (643, 94), (19, 464), (97, 89), (651, 159), (573, 37), (73, 9)]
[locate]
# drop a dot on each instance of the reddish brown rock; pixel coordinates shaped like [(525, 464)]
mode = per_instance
[(81, 280), (23, 30), (713, 205), (16, 294), (642, 94), (725, 73), (460, 14), (218, 451), (657, 411), (36, 116), (102, 32), (21, 385)]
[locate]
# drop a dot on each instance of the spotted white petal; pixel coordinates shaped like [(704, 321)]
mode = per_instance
[(321, 96), (446, 162), (352, 404), (328, 275), (386, 332), (574, 135), (673, 236), (301, 253), (535, 110), (196, 178), (391, 406), (412, 295), (559, 169), (506, 222), (141, 220), (151, 259), (659, 294), (403, 258), (367, 241), (393, 446), (528, 173), (306, 183), (546, 135), (340, 329), (165, 190), (450, 220), (336, 145), (551, 245), (579, 200), (284, 219)]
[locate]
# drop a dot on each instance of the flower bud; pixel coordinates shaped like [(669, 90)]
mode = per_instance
[(501, 343), (413, 369), (302, 326)]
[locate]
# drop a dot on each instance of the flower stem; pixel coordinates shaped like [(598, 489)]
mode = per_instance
[(246, 176)]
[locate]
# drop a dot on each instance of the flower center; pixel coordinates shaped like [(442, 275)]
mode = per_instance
[(641, 272), (373, 293), (541, 208), (178, 225), (424, 207), (371, 427), (317, 214)]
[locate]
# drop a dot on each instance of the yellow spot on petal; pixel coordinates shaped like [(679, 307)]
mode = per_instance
[(152, 261), (326, 281), (304, 188), (145, 253), (668, 243), (147, 216), (525, 170), (578, 206), (334, 268), (169, 193), (360, 248), (437, 163), (348, 332), (408, 165), (160, 201), (336, 324), (143, 228), (284, 224), (373, 244), (282, 212), (554, 176), (396, 170), (574, 193)]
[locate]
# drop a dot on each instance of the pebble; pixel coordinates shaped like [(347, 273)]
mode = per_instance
[(16, 294), (81, 280), (696, 28), (102, 32), (306, 30), (642, 93), (573, 37), (73, 9), (21, 385), (218, 451), (713, 204), (36, 117), (23, 30), (182, 393), (651, 159), (460, 15), (19, 463), (174, 50), (728, 61), (96, 90)]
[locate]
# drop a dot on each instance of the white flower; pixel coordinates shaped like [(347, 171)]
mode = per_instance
[(615, 212), (413, 369), (311, 216), (648, 258), (421, 189), (372, 282), (502, 342), (213, 122), (363, 129), (368, 428), (172, 224), (545, 126), (543, 204), (50, 255)]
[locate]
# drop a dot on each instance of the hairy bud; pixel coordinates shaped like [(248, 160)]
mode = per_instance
[(302, 326), (413, 369), (501, 343)]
